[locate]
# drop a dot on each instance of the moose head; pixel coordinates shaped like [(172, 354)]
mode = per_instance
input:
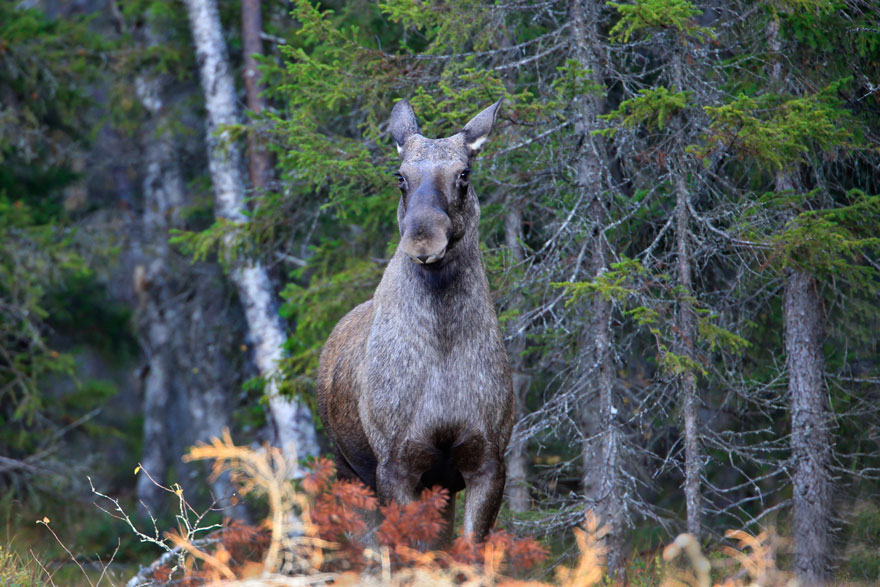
[(438, 206)]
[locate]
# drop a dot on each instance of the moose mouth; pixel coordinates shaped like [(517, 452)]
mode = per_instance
[(427, 259)]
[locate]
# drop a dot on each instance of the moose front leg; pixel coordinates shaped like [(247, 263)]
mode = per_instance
[(484, 492)]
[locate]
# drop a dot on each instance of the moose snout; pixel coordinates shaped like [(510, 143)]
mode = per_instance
[(426, 236), (428, 259)]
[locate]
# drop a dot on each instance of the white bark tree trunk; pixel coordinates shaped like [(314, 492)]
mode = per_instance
[(163, 196), (292, 420), (181, 343)]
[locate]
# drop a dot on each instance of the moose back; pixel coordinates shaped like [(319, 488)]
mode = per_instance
[(414, 385)]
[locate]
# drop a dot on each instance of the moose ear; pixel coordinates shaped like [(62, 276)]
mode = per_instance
[(477, 130), (403, 123)]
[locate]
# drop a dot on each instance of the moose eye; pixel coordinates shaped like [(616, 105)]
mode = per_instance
[(465, 173), (401, 181)]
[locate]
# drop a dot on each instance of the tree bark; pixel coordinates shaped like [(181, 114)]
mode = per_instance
[(686, 338), (251, 27), (163, 196), (810, 446), (810, 417), (517, 486), (810, 434), (685, 324), (601, 482), (187, 387), (207, 372), (292, 420)]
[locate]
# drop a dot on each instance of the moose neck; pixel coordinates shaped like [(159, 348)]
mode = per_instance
[(455, 276), (445, 297)]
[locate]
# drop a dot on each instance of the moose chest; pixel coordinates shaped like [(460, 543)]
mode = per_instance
[(430, 370)]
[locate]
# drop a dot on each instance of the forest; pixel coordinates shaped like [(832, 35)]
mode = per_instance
[(680, 226)]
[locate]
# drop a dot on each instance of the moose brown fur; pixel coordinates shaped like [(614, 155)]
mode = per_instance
[(414, 385)]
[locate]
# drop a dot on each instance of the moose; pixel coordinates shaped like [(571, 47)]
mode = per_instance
[(414, 385)]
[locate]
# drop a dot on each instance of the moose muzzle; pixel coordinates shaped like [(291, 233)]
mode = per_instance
[(425, 228)]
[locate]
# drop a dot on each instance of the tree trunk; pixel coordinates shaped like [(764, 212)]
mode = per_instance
[(602, 484), (163, 196), (207, 372), (292, 420), (685, 324), (187, 388), (251, 27), (810, 434), (686, 338), (810, 445), (517, 454)]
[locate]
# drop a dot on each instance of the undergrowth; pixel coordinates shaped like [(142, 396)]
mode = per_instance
[(319, 532)]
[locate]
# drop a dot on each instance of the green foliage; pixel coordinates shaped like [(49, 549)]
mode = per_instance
[(775, 132), (676, 365), (649, 301), (718, 337), (648, 15), (45, 286), (832, 242), (16, 572), (573, 82), (45, 66), (224, 239), (317, 308), (617, 283), (50, 299), (651, 108), (34, 259)]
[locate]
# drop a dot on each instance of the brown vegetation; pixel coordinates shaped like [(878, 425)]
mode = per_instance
[(316, 533)]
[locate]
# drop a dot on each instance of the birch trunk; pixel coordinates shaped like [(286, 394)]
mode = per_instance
[(601, 482), (810, 433), (686, 339), (292, 420), (163, 196), (187, 387)]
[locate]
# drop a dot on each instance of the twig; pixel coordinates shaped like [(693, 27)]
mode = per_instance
[(104, 567), (45, 522), (45, 570)]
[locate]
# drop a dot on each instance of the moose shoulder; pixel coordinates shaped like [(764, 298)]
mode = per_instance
[(414, 385)]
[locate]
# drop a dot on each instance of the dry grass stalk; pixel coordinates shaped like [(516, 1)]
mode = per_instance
[(294, 546), (589, 568), (701, 575)]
